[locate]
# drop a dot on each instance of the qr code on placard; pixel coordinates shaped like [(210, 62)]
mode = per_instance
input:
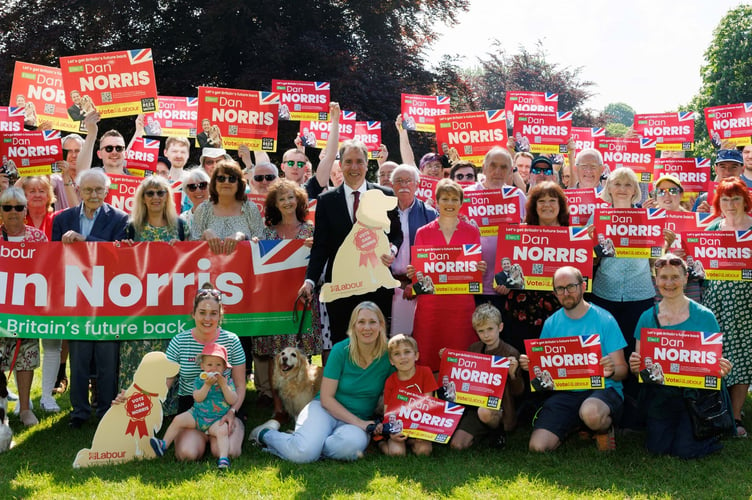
[(106, 96), (25, 162), (537, 268), (297, 107), (168, 123), (537, 139), (623, 242), (465, 386), (468, 149), (561, 372), (232, 130), (443, 278), (674, 368), (714, 264), (49, 109)]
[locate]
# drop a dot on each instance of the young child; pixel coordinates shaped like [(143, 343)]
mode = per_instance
[(403, 353), (478, 422), (214, 394)]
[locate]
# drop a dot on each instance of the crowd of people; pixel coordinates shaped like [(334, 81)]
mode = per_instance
[(391, 336)]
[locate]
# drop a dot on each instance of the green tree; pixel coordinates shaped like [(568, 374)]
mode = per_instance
[(619, 112), (727, 74)]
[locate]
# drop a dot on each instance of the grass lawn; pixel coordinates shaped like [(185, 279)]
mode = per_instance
[(40, 467)]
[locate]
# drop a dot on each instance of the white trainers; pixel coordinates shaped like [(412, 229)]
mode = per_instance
[(28, 418), (253, 437), (12, 396), (49, 405)]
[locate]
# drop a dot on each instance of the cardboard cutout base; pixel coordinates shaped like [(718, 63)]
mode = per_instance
[(124, 432), (357, 266)]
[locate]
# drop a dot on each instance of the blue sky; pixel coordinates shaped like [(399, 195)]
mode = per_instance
[(647, 53)]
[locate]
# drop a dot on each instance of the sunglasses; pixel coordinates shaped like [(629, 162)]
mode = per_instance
[(109, 149), (673, 261), (293, 163), (200, 185), (17, 208), (265, 177), (160, 193), (544, 171), (461, 177), (208, 292), (227, 178), (665, 191)]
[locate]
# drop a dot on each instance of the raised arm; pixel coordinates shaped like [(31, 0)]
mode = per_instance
[(406, 151), (139, 132), (332, 145), (87, 150)]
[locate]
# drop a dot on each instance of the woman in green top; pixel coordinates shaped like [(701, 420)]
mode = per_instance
[(335, 424)]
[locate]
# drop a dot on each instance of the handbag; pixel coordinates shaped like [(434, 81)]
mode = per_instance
[(710, 412)]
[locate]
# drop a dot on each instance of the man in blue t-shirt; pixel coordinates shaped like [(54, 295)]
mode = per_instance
[(597, 409)]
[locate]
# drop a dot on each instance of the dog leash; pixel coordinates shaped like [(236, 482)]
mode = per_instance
[(306, 304)]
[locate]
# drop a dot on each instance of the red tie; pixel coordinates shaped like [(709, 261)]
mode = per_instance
[(356, 202)]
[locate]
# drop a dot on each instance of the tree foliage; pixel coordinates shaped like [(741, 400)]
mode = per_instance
[(619, 112)]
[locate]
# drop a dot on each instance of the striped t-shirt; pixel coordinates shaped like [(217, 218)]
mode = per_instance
[(184, 348)]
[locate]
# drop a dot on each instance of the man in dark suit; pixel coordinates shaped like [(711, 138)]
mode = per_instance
[(75, 112), (334, 219), (92, 220)]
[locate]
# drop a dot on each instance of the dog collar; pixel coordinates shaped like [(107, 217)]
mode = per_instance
[(152, 394)]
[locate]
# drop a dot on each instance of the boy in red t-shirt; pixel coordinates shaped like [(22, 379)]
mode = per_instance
[(403, 353)]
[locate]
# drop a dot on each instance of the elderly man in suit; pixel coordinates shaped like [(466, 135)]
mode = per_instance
[(334, 218), (92, 220)]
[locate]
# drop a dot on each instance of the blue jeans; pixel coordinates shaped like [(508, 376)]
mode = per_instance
[(317, 434)]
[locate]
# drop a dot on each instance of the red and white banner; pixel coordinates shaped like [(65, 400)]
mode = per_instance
[(113, 83), (582, 203), (424, 417), (11, 119), (369, 133), (680, 358), (544, 133), (475, 379), (693, 173), (176, 117), (242, 116), (632, 233), (721, 255), (565, 364), (426, 191), (731, 122), (585, 137), (472, 134), (448, 270), (523, 101), (122, 192), (33, 153), (670, 131), (302, 100), (489, 208), (143, 154), (534, 253), (682, 222), (39, 90), (314, 134), (419, 112), (110, 291), (637, 154)]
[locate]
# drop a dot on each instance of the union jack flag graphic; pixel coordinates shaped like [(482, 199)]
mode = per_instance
[(744, 235), (495, 115), (590, 340), (499, 362), (453, 408), (271, 256), (373, 125), (656, 213), (564, 116), (348, 115), (711, 338), (578, 233), (442, 100), (685, 116), (16, 111), (646, 143), (151, 143), (139, 56), (50, 135), (702, 162), (321, 85), (269, 97), (598, 132), (748, 107), (552, 97), (703, 219), (471, 249), (509, 191), (191, 101)]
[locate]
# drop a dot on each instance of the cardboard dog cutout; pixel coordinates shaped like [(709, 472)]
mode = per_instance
[(124, 432), (357, 266)]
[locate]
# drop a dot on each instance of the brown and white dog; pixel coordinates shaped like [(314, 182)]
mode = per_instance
[(296, 380), (6, 435)]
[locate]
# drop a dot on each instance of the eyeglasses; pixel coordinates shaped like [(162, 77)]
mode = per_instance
[(227, 178), (293, 163), (265, 177), (544, 171), (665, 191), (460, 177), (17, 208), (200, 185), (559, 290), (109, 149), (160, 193), (89, 191), (589, 167), (673, 261)]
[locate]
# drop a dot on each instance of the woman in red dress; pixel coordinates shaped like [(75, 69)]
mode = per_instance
[(445, 320)]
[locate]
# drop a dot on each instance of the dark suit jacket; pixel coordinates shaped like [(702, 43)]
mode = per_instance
[(75, 113), (332, 226), (109, 225)]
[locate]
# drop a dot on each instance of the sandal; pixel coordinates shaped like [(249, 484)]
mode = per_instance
[(223, 463), (741, 432)]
